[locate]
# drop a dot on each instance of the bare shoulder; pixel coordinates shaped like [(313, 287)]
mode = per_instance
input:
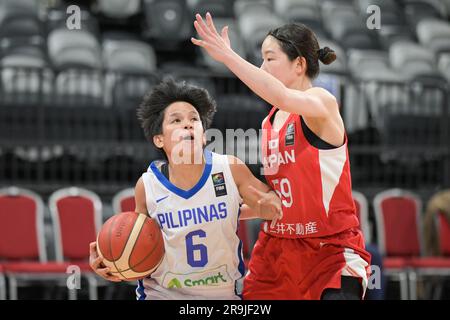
[(327, 98), (234, 161)]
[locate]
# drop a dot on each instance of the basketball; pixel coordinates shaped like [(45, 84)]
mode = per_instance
[(131, 245)]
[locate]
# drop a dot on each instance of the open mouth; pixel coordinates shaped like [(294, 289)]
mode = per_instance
[(188, 137)]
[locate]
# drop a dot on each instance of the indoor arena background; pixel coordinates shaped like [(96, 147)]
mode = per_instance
[(73, 73)]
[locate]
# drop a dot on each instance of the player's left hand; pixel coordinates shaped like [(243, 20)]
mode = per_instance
[(217, 46), (269, 205)]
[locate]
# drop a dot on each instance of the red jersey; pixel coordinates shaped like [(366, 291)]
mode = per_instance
[(314, 184)]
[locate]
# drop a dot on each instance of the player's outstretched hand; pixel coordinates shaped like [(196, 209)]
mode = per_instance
[(269, 205), (217, 46), (95, 261)]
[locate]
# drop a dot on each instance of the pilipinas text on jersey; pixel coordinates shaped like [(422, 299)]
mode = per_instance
[(203, 252)]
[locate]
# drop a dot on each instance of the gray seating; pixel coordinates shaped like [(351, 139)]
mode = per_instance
[(235, 40), (369, 64), (243, 6), (434, 34), (302, 11), (444, 65), (411, 59), (79, 87), (416, 10), (390, 34), (167, 21), (218, 8), (20, 19), (130, 66), (26, 77), (69, 48), (129, 56), (118, 9), (254, 24)]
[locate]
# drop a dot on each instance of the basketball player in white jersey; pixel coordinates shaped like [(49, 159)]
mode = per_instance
[(196, 197)]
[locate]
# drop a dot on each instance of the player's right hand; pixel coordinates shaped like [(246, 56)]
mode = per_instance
[(95, 261), (268, 206)]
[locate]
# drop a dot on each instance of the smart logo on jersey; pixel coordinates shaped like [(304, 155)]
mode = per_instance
[(174, 283), (219, 184), (214, 278), (289, 138)]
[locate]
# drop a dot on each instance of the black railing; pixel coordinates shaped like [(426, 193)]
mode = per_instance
[(86, 132)]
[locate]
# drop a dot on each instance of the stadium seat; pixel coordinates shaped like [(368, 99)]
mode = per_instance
[(396, 214), (434, 34), (26, 77), (123, 201), (370, 65), (436, 235), (77, 55), (301, 11), (235, 40), (411, 59), (443, 227), (362, 210), (129, 56), (167, 21), (2, 284), (348, 28), (22, 242), (444, 65), (254, 23), (416, 10), (20, 19), (399, 225), (74, 48), (77, 218), (217, 8), (239, 112), (119, 9), (131, 71), (242, 6), (56, 18)]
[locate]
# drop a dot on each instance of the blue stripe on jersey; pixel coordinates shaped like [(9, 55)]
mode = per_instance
[(241, 266), (180, 192), (140, 290)]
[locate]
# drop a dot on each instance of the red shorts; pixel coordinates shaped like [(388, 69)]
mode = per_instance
[(298, 269)]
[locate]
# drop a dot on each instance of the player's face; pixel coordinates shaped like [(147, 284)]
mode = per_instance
[(277, 63), (182, 132)]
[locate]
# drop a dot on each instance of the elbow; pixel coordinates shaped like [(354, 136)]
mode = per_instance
[(281, 99)]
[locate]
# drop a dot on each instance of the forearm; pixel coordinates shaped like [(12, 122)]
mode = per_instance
[(259, 81), (247, 213), (273, 90)]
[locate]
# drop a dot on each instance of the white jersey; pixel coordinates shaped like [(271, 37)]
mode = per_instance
[(203, 257)]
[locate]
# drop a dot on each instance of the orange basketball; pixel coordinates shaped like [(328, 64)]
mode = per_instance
[(131, 245)]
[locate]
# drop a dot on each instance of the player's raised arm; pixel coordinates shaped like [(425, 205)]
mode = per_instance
[(315, 102), (259, 200)]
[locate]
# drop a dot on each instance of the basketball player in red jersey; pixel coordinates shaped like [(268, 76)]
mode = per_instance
[(316, 251)]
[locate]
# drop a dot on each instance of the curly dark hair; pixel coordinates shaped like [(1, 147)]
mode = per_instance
[(150, 112)]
